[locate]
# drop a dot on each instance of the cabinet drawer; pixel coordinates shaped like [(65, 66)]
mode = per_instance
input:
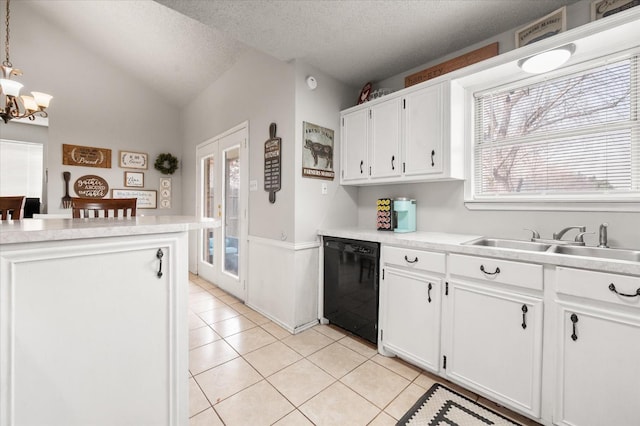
[(518, 274), (414, 259), (598, 286)]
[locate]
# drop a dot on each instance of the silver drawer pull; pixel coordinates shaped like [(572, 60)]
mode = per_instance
[(496, 272), (612, 287), (411, 261)]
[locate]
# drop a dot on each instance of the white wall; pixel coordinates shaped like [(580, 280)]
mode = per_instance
[(94, 104), (440, 205)]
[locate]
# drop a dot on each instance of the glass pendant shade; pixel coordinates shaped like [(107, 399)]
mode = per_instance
[(10, 87), (42, 99), (29, 103)]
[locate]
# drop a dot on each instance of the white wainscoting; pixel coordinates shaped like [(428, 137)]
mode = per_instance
[(283, 282)]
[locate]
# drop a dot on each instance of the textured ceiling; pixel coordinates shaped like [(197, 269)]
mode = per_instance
[(184, 47), (362, 40)]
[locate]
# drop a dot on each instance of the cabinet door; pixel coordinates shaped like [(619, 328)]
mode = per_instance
[(385, 139), (411, 314), (495, 344), (354, 146), (96, 336), (599, 373), (423, 123)]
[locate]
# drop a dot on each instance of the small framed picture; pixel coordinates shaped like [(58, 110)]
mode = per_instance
[(134, 179), (603, 8), (134, 160), (547, 26)]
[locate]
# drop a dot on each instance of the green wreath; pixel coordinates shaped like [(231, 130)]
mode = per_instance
[(167, 164)]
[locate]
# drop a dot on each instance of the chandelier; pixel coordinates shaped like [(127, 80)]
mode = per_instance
[(12, 105)]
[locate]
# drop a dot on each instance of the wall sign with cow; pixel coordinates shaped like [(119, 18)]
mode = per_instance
[(317, 152)]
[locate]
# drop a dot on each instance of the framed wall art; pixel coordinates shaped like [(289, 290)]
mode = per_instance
[(134, 160), (88, 156), (545, 27), (134, 179), (147, 199), (91, 186), (317, 152), (603, 8)]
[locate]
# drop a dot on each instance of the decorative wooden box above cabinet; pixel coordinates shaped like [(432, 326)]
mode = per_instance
[(403, 137)]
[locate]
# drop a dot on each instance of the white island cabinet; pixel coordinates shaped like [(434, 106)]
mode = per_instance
[(93, 326)]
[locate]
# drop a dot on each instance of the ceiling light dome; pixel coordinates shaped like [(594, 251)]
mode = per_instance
[(548, 60)]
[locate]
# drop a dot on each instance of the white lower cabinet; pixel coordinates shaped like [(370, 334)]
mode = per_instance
[(493, 332), (478, 321), (93, 333), (598, 377), (410, 304), (412, 317)]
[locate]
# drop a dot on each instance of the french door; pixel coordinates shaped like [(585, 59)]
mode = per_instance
[(222, 196)]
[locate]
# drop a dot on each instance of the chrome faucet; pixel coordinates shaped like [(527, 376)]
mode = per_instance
[(581, 230), (603, 243)]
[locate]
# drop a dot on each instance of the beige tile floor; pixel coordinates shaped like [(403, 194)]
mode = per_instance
[(246, 370)]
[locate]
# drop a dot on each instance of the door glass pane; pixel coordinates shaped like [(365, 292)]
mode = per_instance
[(231, 209), (208, 207)]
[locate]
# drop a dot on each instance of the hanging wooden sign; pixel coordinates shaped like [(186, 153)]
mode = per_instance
[(76, 155), (452, 64), (91, 186), (272, 163)]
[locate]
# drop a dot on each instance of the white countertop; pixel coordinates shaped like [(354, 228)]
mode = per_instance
[(453, 243), (37, 230)]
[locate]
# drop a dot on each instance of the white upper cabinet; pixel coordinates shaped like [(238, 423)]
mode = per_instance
[(424, 131), (385, 139), (406, 138), (355, 129)]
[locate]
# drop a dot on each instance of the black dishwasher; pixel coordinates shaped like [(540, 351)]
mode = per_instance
[(351, 285)]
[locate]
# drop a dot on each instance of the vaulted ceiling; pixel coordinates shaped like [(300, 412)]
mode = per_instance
[(179, 47)]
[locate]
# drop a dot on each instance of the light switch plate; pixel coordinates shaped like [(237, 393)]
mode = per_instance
[(253, 185), (323, 189)]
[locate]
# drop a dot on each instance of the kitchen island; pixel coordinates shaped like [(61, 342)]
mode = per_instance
[(93, 321)]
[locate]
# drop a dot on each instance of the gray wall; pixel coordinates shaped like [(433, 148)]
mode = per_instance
[(338, 207), (94, 104), (258, 89), (440, 208)]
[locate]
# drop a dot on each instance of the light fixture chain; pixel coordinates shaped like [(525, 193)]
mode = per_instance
[(7, 62)]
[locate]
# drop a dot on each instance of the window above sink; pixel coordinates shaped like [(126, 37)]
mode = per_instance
[(557, 141)]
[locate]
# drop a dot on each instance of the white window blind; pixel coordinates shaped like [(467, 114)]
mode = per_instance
[(21, 168), (572, 137)]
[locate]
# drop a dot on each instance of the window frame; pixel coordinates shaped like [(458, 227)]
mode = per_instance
[(556, 202)]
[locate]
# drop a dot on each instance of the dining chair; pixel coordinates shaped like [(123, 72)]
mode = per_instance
[(102, 207), (12, 207)]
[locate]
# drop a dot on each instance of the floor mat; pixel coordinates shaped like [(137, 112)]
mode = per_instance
[(441, 406)]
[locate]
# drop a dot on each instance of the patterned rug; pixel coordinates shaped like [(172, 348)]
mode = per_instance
[(441, 406)]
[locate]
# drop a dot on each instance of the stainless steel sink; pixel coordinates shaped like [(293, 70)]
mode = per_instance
[(509, 244), (603, 253)]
